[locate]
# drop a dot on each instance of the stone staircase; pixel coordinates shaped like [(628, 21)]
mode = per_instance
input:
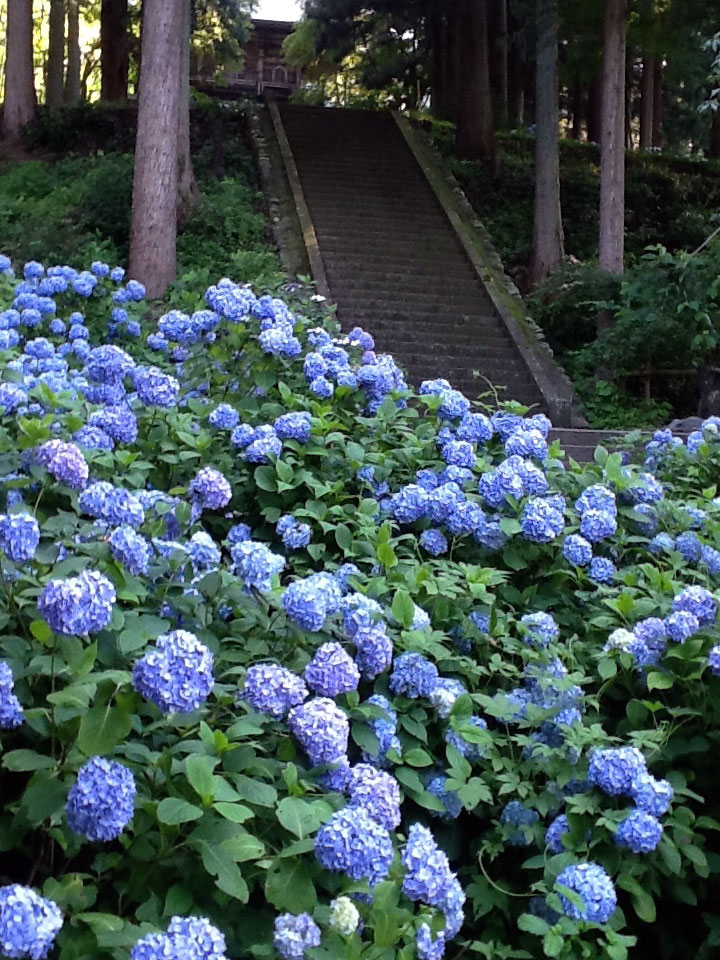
[(392, 260)]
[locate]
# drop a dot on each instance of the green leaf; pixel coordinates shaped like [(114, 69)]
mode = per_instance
[(553, 944), (22, 760), (102, 728), (41, 631), (199, 770), (417, 758), (403, 608), (302, 817), (101, 922), (174, 810), (235, 812), (344, 537), (386, 555), (219, 864), (284, 471), (44, 797), (265, 478), (254, 791), (532, 924), (244, 847), (607, 668), (659, 681), (289, 886)]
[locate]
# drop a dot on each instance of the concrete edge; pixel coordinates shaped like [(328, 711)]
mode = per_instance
[(278, 200), (317, 268), (552, 382)]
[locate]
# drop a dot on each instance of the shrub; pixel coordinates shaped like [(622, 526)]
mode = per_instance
[(431, 721)]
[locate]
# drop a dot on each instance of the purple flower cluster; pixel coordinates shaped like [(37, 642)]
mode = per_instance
[(79, 605), (177, 675)]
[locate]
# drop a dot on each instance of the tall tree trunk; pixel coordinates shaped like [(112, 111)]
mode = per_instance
[(19, 104), (548, 242), (628, 99), (55, 83), (114, 49), (188, 191), (657, 103), (475, 129), (73, 89), (612, 147), (153, 232), (714, 149), (438, 26), (647, 106), (594, 110), (516, 72), (498, 59), (577, 108)]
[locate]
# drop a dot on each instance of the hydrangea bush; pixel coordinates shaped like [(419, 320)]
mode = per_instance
[(297, 662)]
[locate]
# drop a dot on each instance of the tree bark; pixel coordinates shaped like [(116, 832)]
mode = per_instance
[(20, 103), (628, 99), (475, 129), (438, 27), (73, 88), (55, 81), (114, 49), (188, 191), (153, 232), (657, 103), (498, 59), (516, 65), (647, 107), (612, 146), (548, 241)]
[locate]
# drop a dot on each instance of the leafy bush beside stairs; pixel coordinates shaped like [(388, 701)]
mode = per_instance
[(336, 669)]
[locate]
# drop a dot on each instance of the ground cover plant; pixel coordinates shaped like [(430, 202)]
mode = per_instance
[(299, 662)]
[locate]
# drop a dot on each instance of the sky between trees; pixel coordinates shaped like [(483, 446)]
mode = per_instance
[(279, 10)]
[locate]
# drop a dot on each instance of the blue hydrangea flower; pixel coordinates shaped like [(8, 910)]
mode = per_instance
[(305, 603), (131, 549), (475, 427), (79, 605), (155, 388), (597, 525), (187, 938), (681, 625), (689, 546), (596, 497), (265, 444), (65, 462), (177, 675), (28, 922), (614, 770), (516, 816), (449, 798), (11, 711), (272, 689), (118, 421), (101, 803), (714, 660), (224, 417), (332, 671), (93, 438), (577, 550), (710, 558), (385, 729), (429, 879), (640, 832), (295, 535), (413, 676), (295, 934), (209, 489), (526, 442), (602, 570), (409, 503), (698, 601), (651, 795), (374, 650), (204, 553), (377, 792), (111, 504), (351, 842), (256, 565), (321, 728), (661, 543), (294, 426), (540, 628), (555, 833), (592, 884), (19, 536), (471, 751), (434, 542), (540, 522)]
